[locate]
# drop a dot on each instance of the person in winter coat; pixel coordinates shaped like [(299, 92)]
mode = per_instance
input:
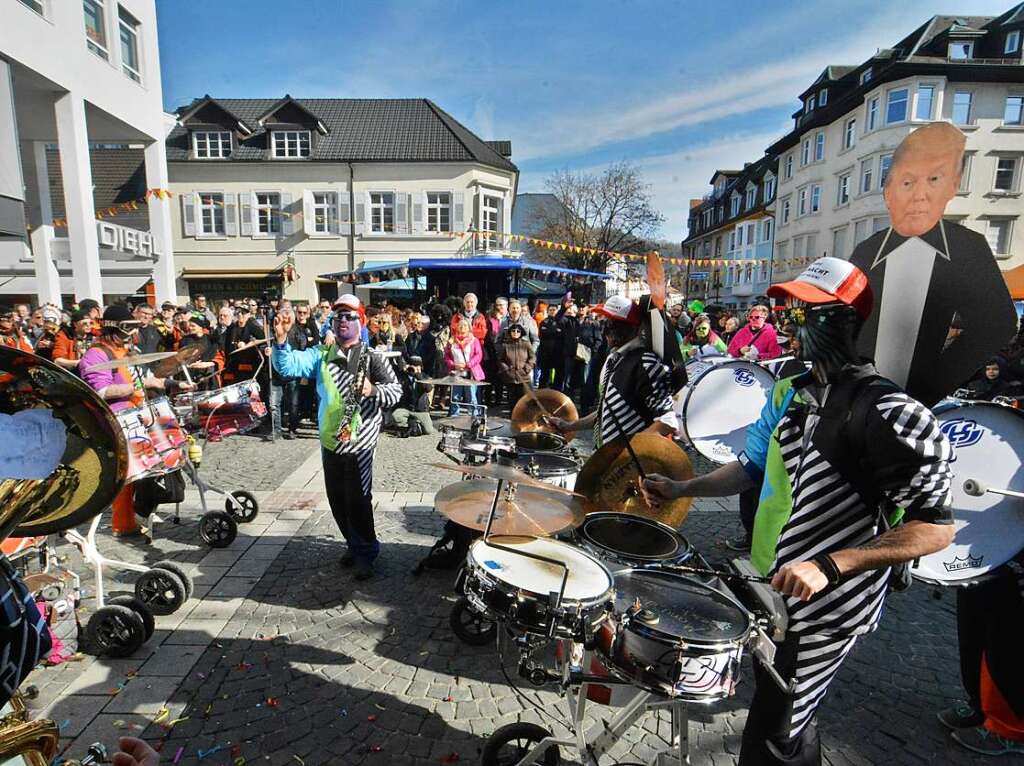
[(515, 362), (463, 358), (551, 355), (702, 341), (994, 382), (757, 340), (572, 368)]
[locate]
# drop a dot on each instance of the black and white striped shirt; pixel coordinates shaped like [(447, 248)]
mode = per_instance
[(371, 408), (649, 400)]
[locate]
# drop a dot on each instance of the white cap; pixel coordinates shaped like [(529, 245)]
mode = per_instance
[(347, 301), (620, 308)]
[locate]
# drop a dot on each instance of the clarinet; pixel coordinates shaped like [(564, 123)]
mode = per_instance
[(355, 397)]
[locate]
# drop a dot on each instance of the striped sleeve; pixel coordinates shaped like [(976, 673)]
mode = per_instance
[(911, 455), (659, 398), (382, 375)]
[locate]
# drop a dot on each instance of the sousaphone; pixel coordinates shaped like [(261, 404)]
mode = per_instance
[(43, 494)]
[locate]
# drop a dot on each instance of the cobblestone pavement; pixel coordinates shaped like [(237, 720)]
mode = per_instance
[(283, 658)]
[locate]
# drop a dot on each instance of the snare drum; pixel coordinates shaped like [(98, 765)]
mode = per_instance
[(538, 441), (719, 405), (484, 448), (517, 590), (685, 641), (986, 441), (560, 470), (625, 540), (156, 442), (234, 409)]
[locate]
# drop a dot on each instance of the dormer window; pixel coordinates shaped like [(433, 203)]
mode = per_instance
[(961, 50), (865, 76), (809, 105), (769, 188), (211, 144), (1012, 44), (822, 97), (290, 144), (734, 209), (751, 197)]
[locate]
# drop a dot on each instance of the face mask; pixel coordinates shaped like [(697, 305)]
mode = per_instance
[(701, 331), (827, 338)]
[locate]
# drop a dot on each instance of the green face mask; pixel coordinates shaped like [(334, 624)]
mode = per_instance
[(701, 331)]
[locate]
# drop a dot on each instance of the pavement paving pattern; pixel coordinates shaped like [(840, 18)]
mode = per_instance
[(282, 658)]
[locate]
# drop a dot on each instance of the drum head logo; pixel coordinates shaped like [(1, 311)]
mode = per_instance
[(743, 378), (958, 564), (962, 432)]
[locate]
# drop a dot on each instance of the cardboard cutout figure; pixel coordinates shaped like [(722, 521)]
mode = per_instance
[(658, 331), (942, 307)]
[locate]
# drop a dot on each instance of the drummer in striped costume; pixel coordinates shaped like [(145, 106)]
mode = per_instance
[(839, 453), (355, 387), (635, 391)]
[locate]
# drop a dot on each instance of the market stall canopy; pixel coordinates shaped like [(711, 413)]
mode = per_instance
[(368, 270)]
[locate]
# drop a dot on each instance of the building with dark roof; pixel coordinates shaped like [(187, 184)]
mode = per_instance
[(275, 192)]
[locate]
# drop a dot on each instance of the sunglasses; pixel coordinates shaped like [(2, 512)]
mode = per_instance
[(348, 316)]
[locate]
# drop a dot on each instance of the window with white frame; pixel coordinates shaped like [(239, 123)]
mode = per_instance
[(812, 246), (95, 27), (866, 175), (728, 276), (805, 152), (884, 163), (718, 246), (822, 97), (865, 76), (785, 211), (998, 235), (960, 50), (128, 31), (211, 144), (781, 254), (962, 108), (325, 212), (925, 102), (1012, 44), (751, 196), (268, 213), (1014, 112), (732, 240), (789, 166), (766, 230), (439, 211), (839, 242), (801, 206), (491, 212), (819, 146), (1006, 179), (843, 189), (210, 221), (965, 174), (798, 250), (35, 5), (734, 205), (769, 188), (290, 144), (382, 212), (748, 273), (850, 133), (809, 105), (860, 231), (896, 106), (815, 198), (872, 121)]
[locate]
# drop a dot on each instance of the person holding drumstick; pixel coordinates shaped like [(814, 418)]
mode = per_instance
[(837, 451)]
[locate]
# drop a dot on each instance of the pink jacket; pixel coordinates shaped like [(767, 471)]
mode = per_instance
[(470, 354), (766, 343)]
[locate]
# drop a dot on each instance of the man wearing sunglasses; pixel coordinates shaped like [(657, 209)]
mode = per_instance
[(354, 387), (837, 452)]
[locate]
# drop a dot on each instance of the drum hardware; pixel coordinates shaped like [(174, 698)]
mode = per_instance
[(978, 489), (719, 573), (454, 380), (505, 473), (478, 426), (135, 360)]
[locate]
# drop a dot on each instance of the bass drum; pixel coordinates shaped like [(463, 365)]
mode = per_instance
[(986, 440), (719, 406)]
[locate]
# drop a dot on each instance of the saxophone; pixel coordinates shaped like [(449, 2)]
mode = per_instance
[(350, 417)]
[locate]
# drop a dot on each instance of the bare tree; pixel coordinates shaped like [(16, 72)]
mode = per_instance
[(610, 212)]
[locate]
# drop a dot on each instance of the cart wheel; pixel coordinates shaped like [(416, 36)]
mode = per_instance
[(470, 626), (249, 507), (178, 569), (137, 606), (161, 590), (115, 631), (218, 529), (510, 744)]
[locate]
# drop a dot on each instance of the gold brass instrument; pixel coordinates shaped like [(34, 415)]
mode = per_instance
[(34, 741)]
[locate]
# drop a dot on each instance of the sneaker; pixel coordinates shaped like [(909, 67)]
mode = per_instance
[(289, 435), (347, 560), (960, 716), (364, 571), (980, 740), (739, 544)]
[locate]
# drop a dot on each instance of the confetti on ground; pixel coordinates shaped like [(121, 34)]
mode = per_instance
[(177, 755), (450, 758), (301, 762), (272, 702), (448, 699), (379, 706), (344, 713), (215, 749), (375, 748), (371, 718)]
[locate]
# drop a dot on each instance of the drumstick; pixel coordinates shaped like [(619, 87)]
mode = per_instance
[(718, 573), (629, 447), (533, 396)]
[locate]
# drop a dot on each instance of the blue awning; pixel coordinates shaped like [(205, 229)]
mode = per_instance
[(367, 268), (399, 285), (563, 270), (433, 264)]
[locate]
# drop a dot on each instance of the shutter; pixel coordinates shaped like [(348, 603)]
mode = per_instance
[(333, 225), (287, 222), (245, 208), (344, 212), (419, 210), (458, 212), (506, 220), (363, 214), (188, 214), (230, 215), (401, 213), (308, 216), (478, 223)]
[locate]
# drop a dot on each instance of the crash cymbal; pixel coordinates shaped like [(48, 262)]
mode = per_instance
[(610, 481), (454, 380), (251, 344), (182, 358), (522, 510), (505, 473), (465, 422), (133, 361), (530, 410)]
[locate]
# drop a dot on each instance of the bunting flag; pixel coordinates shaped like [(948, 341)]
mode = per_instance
[(121, 207)]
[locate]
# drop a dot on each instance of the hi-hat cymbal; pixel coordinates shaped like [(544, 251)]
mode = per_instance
[(520, 511), (454, 380), (506, 473), (251, 344), (610, 481), (465, 422), (530, 411), (133, 361), (182, 358)]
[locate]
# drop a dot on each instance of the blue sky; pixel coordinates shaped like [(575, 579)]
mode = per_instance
[(676, 88)]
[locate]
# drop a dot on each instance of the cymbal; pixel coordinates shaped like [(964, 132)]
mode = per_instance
[(521, 511), (182, 358), (610, 481), (465, 422), (505, 473), (529, 412), (251, 344), (454, 380), (133, 361)]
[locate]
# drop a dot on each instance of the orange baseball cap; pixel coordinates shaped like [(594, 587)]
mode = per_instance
[(829, 280)]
